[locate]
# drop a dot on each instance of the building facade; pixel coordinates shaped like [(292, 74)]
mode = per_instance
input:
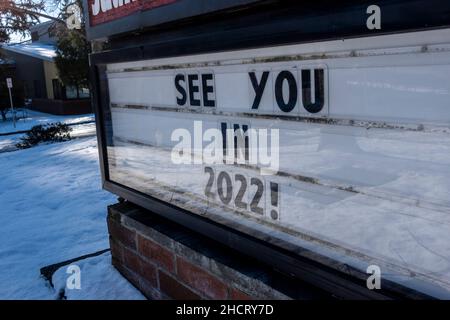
[(37, 75)]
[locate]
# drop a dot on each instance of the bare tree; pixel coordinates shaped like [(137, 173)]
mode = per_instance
[(17, 16)]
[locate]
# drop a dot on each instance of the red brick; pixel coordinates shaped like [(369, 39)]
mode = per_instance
[(124, 235), (156, 253), (131, 260), (148, 273), (236, 294), (174, 289), (201, 280), (116, 250), (132, 277), (150, 291)]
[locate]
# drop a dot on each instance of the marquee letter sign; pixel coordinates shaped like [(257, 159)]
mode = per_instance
[(336, 146)]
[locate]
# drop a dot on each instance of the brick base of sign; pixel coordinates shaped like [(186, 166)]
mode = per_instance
[(165, 260)]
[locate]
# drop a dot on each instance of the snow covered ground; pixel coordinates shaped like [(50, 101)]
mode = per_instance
[(8, 142), (100, 280), (34, 118), (52, 209), (81, 125)]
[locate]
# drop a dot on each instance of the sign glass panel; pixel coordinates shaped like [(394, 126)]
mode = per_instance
[(341, 154)]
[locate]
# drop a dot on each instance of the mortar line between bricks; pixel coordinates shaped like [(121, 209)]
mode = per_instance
[(175, 275), (158, 281), (215, 275), (193, 263), (175, 261), (187, 285), (194, 290), (160, 251), (208, 272), (232, 271), (225, 283), (132, 226)]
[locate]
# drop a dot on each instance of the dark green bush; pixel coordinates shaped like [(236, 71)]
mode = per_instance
[(52, 132)]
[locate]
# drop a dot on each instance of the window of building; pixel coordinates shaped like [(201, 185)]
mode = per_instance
[(72, 92), (59, 91), (84, 92)]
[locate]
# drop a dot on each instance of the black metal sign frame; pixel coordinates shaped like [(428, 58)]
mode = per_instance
[(180, 9), (338, 279)]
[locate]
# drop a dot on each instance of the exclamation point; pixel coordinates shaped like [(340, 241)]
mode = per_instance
[(274, 194)]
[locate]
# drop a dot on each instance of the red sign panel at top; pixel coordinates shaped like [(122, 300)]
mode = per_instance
[(101, 11)]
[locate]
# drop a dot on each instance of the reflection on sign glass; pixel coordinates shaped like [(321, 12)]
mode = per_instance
[(347, 154)]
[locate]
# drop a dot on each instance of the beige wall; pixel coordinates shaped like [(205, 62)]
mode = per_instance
[(50, 73)]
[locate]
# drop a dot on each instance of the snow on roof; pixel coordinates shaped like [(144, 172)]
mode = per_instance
[(35, 49)]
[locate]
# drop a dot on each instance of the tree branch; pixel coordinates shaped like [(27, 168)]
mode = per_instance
[(16, 9)]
